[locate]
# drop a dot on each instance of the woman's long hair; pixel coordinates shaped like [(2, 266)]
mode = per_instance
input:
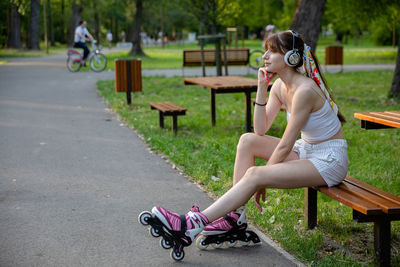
[(282, 42)]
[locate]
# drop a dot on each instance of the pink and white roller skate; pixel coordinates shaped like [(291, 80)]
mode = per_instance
[(229, 229), (177, 231)]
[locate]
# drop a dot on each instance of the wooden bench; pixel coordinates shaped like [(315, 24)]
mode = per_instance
[(234, 56), (168, 109), (369, 204)]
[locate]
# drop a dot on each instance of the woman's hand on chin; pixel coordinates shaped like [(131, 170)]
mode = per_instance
[(264, 76)]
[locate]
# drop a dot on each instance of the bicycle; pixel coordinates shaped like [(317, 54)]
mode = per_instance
[(97, 60), (255, 59)]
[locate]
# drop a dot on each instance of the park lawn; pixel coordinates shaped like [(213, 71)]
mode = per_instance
[(203, 152), (8, 53), (171, 56)]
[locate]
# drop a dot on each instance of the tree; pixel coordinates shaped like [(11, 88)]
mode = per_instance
[(209, 13), (76, 17), (395, 89), (51, 23), (135, 30), (14, 26), (307, 21), (33, 42)]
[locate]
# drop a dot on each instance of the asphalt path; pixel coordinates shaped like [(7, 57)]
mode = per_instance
[(73, 179)]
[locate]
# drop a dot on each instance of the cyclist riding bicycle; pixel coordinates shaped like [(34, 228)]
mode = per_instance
[(82, 35)]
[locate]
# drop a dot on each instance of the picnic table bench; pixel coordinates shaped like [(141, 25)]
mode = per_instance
[(168, 109), (369, 204)]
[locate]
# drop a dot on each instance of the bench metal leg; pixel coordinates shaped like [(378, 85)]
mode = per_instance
[(310, 207), (382, 242), (175, 123), (248, 110), (212, 95), (161, 119)]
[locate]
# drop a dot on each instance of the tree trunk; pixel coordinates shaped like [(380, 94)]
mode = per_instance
[(395, 90), (135, 30), (62, 39), (14, 27), (33, 42), (76, 17), (116, 38), (96, 25), (307, 20), (52, 41)]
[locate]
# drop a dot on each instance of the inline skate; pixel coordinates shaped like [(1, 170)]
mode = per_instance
[(228, 229), (177, 231)]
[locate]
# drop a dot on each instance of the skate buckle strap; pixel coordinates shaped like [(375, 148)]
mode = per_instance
[(183, 224), (230, 220), (239, 222)]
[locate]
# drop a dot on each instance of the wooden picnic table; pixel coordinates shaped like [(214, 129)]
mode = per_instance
[(379, 120), (382, 241), (228, 84)]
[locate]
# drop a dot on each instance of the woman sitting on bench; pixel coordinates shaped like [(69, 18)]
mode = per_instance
[(319, 158)]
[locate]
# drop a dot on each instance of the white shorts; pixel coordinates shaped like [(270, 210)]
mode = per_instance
[(329, 158)]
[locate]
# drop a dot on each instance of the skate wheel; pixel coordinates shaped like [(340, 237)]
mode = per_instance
[(154, 232), (143, 217), (217, 245), (165, 243), (245, 243), (231, 244), (177, 256), (200, 244)]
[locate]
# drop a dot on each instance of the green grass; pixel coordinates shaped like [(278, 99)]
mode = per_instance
[(154, 59), (8, 53), (364, 56), (202, 151)]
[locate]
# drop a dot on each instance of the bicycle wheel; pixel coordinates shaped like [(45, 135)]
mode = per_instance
[(98, 62), (256, 60), (73, 65)]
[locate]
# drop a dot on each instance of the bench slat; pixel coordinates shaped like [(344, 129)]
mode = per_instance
[(351, 200), (388, 206), (167, 107), (223, 82), (363, 197), (371, 188), (394, 112), (386, 115), (235, 56)]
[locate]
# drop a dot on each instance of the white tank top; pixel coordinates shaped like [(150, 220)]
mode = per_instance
[(321, 124)]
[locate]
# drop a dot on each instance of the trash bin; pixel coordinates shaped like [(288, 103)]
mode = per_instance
[(334, 55), (128, 76)]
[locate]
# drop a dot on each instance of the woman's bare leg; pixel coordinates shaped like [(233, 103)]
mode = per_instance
[(253, 146), (289, 174)]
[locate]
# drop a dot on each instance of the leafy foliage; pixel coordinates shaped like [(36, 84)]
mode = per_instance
[(381, 18)]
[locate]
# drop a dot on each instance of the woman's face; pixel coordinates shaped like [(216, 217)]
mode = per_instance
[(273, 61)]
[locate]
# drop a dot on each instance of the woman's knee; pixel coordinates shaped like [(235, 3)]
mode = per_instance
[(253, 175), (246, 141), (259, 177)]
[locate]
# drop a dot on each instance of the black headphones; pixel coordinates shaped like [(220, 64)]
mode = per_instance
[(292, 57)]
